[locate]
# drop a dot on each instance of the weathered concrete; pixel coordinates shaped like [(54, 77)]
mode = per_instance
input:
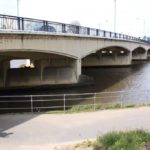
[(32, 132), (75, 46), (66, 52), (48, 69), (31, 77)]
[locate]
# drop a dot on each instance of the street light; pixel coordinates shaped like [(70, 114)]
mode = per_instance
[(115, 4), (18, 7), (143, 21)]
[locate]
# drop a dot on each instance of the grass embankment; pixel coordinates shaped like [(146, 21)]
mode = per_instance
[(91, 108), (131, 140)]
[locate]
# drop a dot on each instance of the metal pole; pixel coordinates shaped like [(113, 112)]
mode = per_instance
[(115, 4), (18, 7), (143, 27), (94, 100), (64, 102), (31, 98)]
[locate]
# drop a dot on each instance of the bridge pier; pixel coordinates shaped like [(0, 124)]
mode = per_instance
[(59, 70), (4, 67), (108, 57), (139, 54)]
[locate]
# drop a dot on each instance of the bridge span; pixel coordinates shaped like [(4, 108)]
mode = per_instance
[(58, 56)]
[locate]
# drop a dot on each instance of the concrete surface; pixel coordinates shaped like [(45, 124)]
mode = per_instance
[(33, 131)]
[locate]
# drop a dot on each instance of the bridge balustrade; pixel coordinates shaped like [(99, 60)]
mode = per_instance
[(28, 24)]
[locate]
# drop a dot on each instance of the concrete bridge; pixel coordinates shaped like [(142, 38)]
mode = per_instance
[(58, 57)]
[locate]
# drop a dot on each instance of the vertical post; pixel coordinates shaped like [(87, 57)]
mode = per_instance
[(119, 36), (18, 13), (22, 20), (97, 32), (115, 1), (94, 99), (45, 24), (64, 103), (121, 100), (110, 34), (88, 31), (104, 33), (77, 30), (18, 23), (63, 28), (31, 99)]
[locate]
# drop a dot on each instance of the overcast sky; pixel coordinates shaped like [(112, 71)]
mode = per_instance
[(131, 14)]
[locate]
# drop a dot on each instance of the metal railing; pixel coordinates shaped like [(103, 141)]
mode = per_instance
[(38, 103), (27, 24)]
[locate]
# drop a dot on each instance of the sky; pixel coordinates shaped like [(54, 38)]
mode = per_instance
[(133, 16)]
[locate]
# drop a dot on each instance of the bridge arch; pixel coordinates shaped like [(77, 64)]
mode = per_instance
[(35, 51), (106, 47), (108, 56), (148, 53), (49, 68), (139, 53)]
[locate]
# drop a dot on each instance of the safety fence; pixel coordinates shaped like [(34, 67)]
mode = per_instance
[(27, 24), (64, 102)]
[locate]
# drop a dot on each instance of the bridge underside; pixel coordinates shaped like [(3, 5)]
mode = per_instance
[(139, 54), (111, 56), (45, 69), (148, 53)]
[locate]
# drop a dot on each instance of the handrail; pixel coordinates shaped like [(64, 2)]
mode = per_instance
[(30, 24), (36, 103)]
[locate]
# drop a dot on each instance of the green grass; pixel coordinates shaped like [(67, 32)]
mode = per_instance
[(130, 105), (80, 108), (91, 108), (131, 140)]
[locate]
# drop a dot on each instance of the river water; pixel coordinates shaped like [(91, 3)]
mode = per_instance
[(134, 77), (105, 79)]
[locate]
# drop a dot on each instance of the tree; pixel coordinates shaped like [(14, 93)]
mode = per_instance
[(74, 27)]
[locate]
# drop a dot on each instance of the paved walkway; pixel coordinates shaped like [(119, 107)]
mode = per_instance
[(39, 132)]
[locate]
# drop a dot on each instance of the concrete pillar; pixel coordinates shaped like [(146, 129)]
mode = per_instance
[(40, 65), (4, 69), (77, 67)]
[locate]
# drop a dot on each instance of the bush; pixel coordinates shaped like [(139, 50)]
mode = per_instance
[(132, 140)]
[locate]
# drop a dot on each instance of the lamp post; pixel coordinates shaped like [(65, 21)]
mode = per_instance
[(115, 6), (18, 7), (143, 22)]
